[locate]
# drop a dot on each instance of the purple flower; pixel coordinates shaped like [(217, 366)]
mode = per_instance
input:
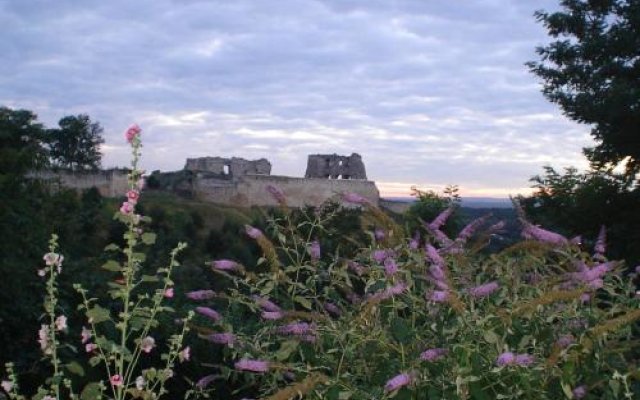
[(378, 234), (441, 218), (471, 228), (205, 381), (379, 255), (314, 250), (397, 382), (439, 296), (209, 313), (221, 338), (506, 358), (390, 267), (524, 360), (484, 290), (601, 243), (637, 269), (277, 194), (266, 304), (356, 268), (272, 315), (201, 294), (354, 198), (433, 354), (531, 231), (414, 243), (437, 273), (434, 256), (579, 392), (253, 233), (332, 308), (225, 265), (396, 289), (296, 328), (565, 341), (252, 365)]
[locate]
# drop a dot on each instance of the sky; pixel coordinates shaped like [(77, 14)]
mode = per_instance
[(429, 92)]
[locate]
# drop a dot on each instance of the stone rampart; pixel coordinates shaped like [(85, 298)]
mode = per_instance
[(251, 190), (110, 183)]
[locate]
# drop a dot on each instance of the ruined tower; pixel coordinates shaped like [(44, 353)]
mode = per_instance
[(333, 166)]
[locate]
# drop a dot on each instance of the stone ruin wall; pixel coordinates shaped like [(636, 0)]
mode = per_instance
[(110, 183), (333, 166), (232, 167)]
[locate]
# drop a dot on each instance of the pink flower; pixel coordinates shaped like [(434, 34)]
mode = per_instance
[(140, 383), (314, 250), (85, 335), (252, 365), (434, 256), (356, 268), (601, 243), (506, 358), (380, 255), (484, 290), (471, 228), (225, 265), (168, 293), (332, 309), (397, 382), (390, 267), (116, 380), (253, 233), (439, 296), (90, 347), (43, 339), (53, 259), (133, 132), (524, 360), (133, 196), (531, 231), (565, 341), (201, 295), (147, 344), (579, 392), (7, 386), (296, 328), (61, 323), (378, 234), (140, 184), (126, 208), (209, 313), (272, 315), (221, 338), (433, 354), (441, 218), (277, 194), (185, 354), (266, 304)]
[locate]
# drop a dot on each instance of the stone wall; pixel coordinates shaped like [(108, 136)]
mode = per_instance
[(333, 166), (110, 183), (250, 190), (234, 166)]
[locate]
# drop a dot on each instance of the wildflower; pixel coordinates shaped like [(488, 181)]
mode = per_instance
[(441, 238), (434, 256), (506, 358), (140, 383), (272, 315), (209, 313), (42, 272), (140, 184), (356, 268), (85, 335), (565, 341), (309, 338), (90, 347), (596, 284), (601, 242), (132, 133), (53, 259), (133, 196), (126, 208), (253, 233), (379, 255), (314, 250), (116, 380), (441, 218), (439, 296), (147, 344), (390, 267), (396, 289), (7, 386), (379, 234), (221, 338), (414, 244), (266, 304), (252, 365), (201, 294), (168, 293), (484, 290), (185, 354), (579, 392), (397, 382), (531, 231), (471, 228), (225, 265), (354, 198), (524, 360), (43, 339), (277, 194), (296, 328), (433, 354), (61, 323), (436, 272), (205, 381), (332, 308)]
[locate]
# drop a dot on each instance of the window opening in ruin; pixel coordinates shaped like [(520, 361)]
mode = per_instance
[(225, 169), (340, 163), (339, 177)]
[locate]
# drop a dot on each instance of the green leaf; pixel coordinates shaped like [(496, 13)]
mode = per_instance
[(401, 331), (148, 238), (286, 349), (112, 247), (75, 368), (112, 266), (91, 392), (303, 302), (98, 314), (490, 337), (93, 361), (149, 278)]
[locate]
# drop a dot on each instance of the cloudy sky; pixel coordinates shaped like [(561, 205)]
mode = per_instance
[(429, 92)]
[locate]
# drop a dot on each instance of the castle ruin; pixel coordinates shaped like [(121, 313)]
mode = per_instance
[(333, 166), (234, 166)]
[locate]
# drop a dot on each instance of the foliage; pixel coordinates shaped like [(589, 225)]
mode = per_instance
[(76, 143), (592, 71), (399, 319), (429, 204), (21, 147)]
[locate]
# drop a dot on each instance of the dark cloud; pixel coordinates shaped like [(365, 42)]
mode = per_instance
[(429, 92)]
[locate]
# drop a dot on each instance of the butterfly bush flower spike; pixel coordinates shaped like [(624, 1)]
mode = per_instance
[(397, 382), (252, 365)]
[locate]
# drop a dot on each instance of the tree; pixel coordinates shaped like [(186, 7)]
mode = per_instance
[(76, 144), (21, 147), (592, 71)]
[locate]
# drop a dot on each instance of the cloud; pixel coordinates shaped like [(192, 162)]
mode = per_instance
[(432, 92)]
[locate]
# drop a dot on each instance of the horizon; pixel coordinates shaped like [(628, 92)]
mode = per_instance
[(429, 94)]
